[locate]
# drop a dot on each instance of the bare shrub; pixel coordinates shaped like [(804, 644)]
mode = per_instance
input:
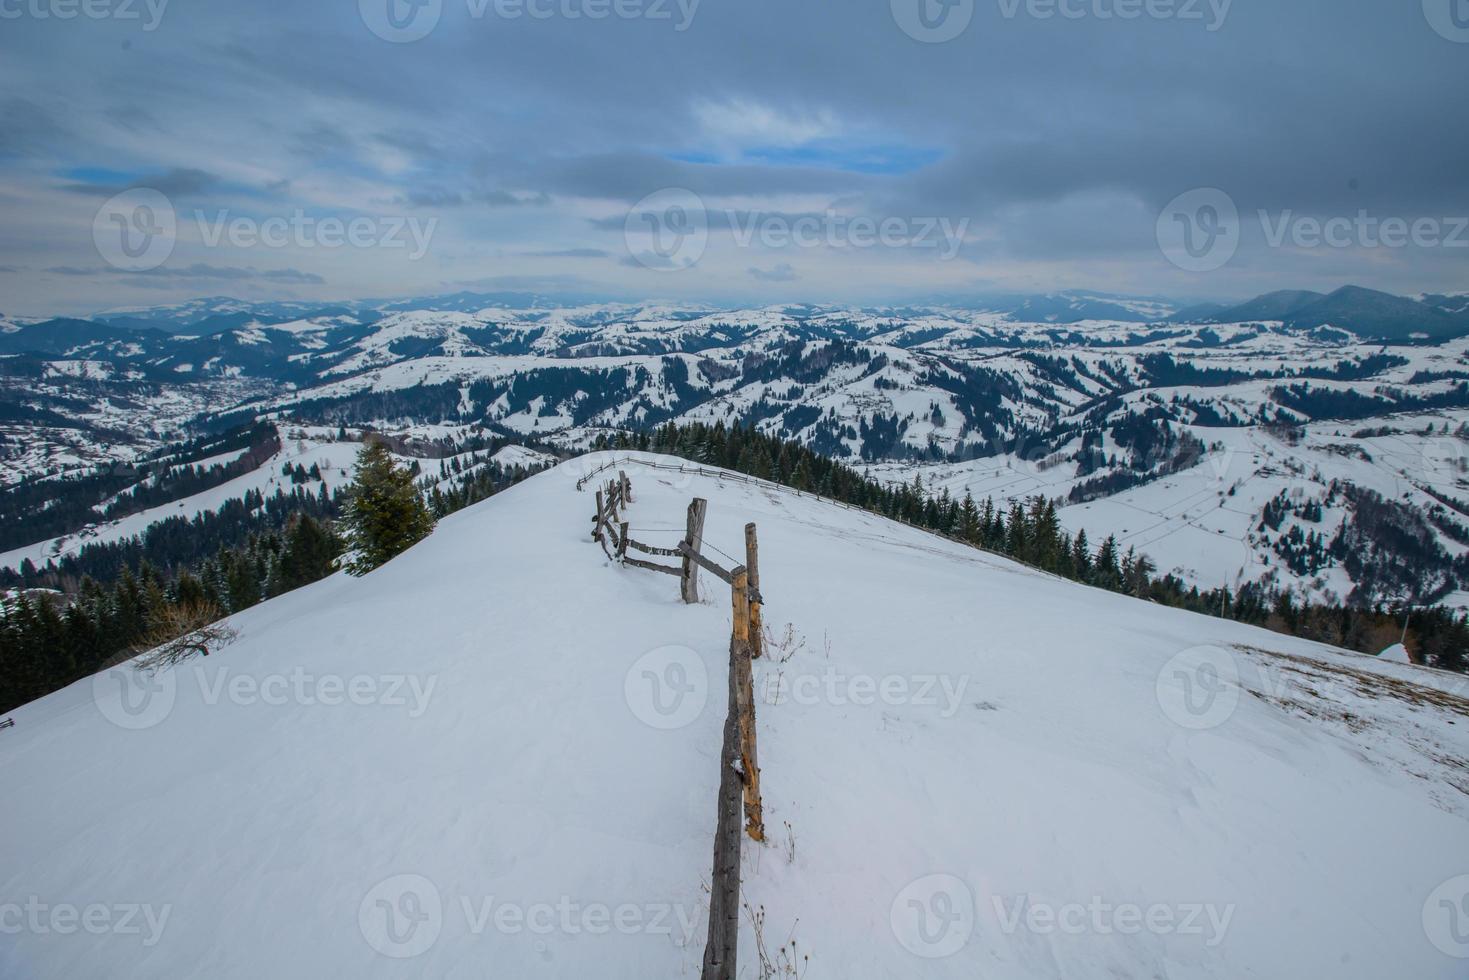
[(182, 632)]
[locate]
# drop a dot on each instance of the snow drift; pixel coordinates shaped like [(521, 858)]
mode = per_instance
[(498, 754)]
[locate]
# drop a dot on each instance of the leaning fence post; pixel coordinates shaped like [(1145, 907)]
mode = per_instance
[(722, 947), (739, 663), (752, 564), (694, 538), (622, 544), (597, 529), (626, 486)]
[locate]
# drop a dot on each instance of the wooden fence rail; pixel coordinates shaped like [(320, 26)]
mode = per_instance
[(7, 723), (739, 768)]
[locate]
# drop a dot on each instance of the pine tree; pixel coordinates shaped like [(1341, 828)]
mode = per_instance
[(385, 514), (1105, 569)]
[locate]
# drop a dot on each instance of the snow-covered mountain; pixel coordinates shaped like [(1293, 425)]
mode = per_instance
[(498, 755), (1302, 452)]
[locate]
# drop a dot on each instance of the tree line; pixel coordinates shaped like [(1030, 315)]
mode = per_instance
[(1031, 532), (59, 625)]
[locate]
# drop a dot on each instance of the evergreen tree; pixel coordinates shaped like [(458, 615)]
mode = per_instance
[(385, 514)]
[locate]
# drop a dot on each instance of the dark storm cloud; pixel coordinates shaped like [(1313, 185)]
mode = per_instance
[(175, 183), (198, 271), (1059, 138), (779, 273), (569, 253)]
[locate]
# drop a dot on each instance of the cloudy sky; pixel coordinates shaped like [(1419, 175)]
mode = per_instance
[(728, 150)]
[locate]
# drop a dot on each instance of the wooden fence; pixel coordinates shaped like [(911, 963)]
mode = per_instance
[(739, 773), (7, 723)]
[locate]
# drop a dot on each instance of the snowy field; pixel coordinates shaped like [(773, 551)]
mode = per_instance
[(497, 756)]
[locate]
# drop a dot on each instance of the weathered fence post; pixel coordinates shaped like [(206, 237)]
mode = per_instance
[(752, 564), (622, 544), (601, 509), (626, 486), (722, 945), (740, 667), (694, 538)]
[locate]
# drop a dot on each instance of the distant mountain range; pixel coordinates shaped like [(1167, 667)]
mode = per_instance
[(1367, 313), (1263, 441)]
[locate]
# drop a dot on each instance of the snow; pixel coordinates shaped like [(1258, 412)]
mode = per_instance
[(333, 459), (1397, 654), (460, 736)]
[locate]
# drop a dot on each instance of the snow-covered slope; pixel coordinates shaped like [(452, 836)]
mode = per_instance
[(498, 755)]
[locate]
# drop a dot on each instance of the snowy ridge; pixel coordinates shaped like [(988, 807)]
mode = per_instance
[(987, 739)]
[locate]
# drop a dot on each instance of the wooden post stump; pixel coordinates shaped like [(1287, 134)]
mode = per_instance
[(740, 666), (694, 538), (752, 564)]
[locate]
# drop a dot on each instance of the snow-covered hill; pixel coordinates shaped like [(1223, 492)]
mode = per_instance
[(1175, 436), (498, 754)]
